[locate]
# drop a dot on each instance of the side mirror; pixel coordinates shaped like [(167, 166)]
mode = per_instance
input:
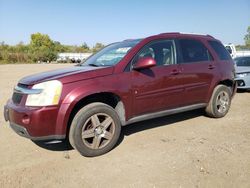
[(144, 63)]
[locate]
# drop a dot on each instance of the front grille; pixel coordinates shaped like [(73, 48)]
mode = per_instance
[(17, 97)]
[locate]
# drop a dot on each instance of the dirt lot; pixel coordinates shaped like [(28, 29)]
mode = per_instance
[(184, 150)]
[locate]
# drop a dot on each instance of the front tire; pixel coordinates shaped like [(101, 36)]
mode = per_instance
[(220, 102), (95, 129)]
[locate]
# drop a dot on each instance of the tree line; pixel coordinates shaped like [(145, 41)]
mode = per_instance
[(41, 48), (247, 41)]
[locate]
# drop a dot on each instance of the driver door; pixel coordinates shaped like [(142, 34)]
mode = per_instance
[(157, 88)]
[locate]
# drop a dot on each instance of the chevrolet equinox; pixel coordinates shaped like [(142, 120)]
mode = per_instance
[(123, 83)]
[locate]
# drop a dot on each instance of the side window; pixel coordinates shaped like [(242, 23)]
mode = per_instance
[(220, 50), (162, 51), (193, 51), (147, 52)]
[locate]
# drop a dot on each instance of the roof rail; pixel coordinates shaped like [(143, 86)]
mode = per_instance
[(198, 34), (169, 33), (210, 36), (186, 33)]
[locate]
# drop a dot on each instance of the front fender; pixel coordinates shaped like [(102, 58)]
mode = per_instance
[(66, 108), (69, 103)]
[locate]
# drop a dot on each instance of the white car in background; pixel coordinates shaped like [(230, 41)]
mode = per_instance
[(242, 65), (236, 53)]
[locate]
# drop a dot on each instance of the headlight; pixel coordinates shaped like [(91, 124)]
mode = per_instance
[(50, 95), (241, 75)]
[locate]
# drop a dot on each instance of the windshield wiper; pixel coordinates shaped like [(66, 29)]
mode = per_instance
[(93, 65)]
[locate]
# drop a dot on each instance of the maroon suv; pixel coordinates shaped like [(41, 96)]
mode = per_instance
[(125, 82)]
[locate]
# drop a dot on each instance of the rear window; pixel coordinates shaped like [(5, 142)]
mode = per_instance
[(220, 50), (194, 51)]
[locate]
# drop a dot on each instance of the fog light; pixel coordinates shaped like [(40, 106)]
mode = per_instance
[(240, 83)]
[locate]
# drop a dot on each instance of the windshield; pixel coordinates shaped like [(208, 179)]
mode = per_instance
[(111, 55), (242, 61)]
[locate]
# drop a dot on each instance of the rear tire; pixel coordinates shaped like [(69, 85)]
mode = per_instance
[(220, 102), (95, 129)]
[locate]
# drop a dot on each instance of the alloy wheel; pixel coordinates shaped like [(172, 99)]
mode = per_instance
[(222, 102), (98, 131)]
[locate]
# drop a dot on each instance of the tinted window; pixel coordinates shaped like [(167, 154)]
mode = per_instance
[(220, 50), (193, 51), (162, 51), (242, 61)]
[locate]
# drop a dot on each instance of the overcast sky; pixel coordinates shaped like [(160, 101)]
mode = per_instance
[(77, 21)]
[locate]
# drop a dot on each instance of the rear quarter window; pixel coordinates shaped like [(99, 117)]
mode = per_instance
[(220, 50)]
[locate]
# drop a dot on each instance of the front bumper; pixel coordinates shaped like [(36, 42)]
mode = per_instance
[(33, 123), (22, 131)]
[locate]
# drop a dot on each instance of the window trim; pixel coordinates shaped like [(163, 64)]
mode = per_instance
[(173, 40)]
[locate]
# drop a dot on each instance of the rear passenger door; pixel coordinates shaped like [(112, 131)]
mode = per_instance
[(197, 69)]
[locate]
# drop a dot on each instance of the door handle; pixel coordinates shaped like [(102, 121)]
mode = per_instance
[(211, 66), (175, 72)]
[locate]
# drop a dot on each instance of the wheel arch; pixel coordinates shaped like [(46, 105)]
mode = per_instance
[(231, 84), (108, 98), (227, 82)]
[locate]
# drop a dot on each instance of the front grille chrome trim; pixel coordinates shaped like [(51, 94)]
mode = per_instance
[(26, 91)]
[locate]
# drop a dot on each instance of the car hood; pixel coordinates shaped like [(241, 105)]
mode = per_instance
[(67, 75), (241, 69)]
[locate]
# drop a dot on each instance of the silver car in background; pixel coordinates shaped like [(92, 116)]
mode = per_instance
[(242, 66)]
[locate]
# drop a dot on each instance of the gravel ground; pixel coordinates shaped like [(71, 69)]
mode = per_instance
[(183, 150)]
